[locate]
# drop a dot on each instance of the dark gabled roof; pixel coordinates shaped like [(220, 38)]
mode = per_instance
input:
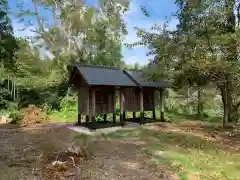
[(138, 78), (100, 75)]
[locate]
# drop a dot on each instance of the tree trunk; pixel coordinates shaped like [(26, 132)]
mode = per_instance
[(35, 6), (54, 9), (225, 105), (14, 91), (200, 102), (230, 103), (188, 100), (8, 84)]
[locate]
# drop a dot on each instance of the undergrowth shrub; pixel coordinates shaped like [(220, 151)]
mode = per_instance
[(13, 112), (68, 102), (15, 117), (32, 115)]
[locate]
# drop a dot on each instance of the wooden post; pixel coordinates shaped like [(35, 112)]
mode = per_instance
[(124, 116), (154, 114), (162, 104), (153, 101), (141, 107), (93, 109), (114, 105), (121, 107), (105, 117), (87, 108), (79, 108), (134, 115)]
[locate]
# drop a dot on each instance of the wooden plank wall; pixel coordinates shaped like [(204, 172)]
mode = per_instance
[(84, 100), (104, 101), (148, 99), (131, 99)]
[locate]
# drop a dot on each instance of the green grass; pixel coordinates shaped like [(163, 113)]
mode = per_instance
[(177, 116), (186, 155), (67, 114)]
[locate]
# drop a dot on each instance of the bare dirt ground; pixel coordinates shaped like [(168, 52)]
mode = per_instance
[(22, 150), (26, 153)]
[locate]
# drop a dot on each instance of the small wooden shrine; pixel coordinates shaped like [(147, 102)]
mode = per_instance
[(97, 89), (144, 97)]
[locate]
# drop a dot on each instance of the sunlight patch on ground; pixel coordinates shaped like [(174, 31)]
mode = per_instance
[(131, 165), (191, 153)]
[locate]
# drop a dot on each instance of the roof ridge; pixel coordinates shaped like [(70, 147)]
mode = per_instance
[(132, 78), (140, 71), (97, 66)]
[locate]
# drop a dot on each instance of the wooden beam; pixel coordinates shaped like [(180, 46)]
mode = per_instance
[(134, 115), (79, 108), (121, 107), (87, 107), (162, 104), (114, 105), (154, 104), (124, 115), (93, 109), (79, 118), (141, 107), (153, 114), (105, 117)]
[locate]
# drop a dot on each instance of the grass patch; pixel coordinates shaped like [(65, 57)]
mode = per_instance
[(67, 114), (181, 116), (187, 155)]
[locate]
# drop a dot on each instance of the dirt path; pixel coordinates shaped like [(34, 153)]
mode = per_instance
[(121, 160), (113, 160)]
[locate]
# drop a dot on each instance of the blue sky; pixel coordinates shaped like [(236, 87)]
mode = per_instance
[(160, 10)]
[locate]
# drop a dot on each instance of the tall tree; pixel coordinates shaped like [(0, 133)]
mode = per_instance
[(214, 51), (80, 33), (7, 40), (203, 48), (5, 22)]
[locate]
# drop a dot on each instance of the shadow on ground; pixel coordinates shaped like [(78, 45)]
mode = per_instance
[(191, 154), (99, 125)]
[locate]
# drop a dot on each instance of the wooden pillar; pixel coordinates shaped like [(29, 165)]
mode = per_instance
[(153, 114), (79, 108), (105, 117), (87, 107), (162, 104), (134, 115), (114, 105), (93, 109), (141, 107), (153, 101), (121, 107)]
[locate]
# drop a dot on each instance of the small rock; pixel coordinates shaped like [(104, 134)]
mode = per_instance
[(158, 153), (68, 174)]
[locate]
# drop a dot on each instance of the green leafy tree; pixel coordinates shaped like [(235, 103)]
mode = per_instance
[(7, 40), (203, 49), (8, 46), (80, 33)]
